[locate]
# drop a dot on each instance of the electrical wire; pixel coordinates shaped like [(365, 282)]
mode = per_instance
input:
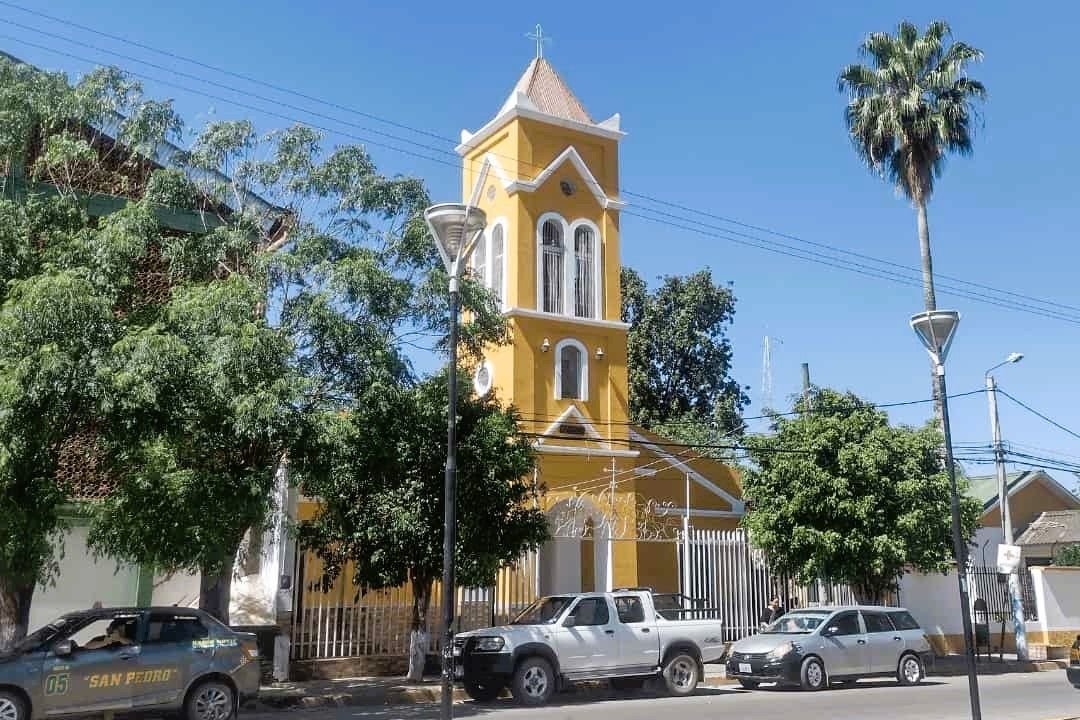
[(908, 281), (1038, 414)]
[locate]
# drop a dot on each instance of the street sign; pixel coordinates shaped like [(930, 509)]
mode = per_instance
[(1008, 558)]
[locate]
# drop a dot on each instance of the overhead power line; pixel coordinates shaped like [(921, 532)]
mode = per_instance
[(1038, 414), (854, 267)]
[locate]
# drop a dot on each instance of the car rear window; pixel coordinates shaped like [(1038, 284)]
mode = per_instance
[(876, 622), (903, 620), (175, 629)]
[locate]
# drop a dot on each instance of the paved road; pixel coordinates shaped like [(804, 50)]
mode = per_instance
[(1035, 696)]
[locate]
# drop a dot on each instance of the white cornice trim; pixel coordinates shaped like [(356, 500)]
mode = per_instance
[(572, 413), (570, 319), (571, 154), (469, 141), (737, 506), (573, 450)]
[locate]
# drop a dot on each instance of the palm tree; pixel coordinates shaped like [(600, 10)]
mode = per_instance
[(908, 110)]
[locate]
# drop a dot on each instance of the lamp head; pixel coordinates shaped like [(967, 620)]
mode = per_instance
[(1014, 357), (936, 328), (455, 227)]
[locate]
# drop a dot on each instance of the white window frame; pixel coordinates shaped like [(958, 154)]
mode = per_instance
[(489, 258), (571, 276), (583, 370), (540, 260), (502, 223)]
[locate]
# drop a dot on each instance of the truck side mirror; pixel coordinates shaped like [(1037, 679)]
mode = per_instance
[(64, 648), (831, 631), (569, 621)]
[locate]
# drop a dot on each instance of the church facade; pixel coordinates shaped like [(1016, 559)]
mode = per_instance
[(547, 176)]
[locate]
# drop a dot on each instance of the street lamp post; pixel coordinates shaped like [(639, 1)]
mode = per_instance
[(1003, 506), (455, 228), (936, 329)]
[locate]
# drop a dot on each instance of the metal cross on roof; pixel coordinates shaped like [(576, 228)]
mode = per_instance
[(540, 38)]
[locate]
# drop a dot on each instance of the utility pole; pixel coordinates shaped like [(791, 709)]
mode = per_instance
[(806, 385), (1006, 519)]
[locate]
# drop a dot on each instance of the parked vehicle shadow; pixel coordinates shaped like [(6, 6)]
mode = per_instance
[(833, 687)]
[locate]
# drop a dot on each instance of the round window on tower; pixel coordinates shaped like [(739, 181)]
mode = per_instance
[(482, 379), (568, 188), (491, 192)]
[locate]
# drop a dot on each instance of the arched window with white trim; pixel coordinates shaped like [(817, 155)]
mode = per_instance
[(571, 370), (498, 253), (584, 272), (480, 260), (551, 233)]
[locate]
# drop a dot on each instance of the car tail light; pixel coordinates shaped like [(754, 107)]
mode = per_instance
[(251, 651)]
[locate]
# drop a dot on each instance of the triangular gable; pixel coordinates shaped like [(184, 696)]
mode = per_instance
[(553, 440), (1034, 477), (653, 446), (570, 155)]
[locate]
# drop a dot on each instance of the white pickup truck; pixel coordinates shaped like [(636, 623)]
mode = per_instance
[(564, 639)]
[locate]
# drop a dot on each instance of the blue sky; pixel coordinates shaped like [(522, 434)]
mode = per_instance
[(733, 109)]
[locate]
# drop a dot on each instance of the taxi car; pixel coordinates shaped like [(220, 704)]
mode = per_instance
[(134, 661), (1072, 672)]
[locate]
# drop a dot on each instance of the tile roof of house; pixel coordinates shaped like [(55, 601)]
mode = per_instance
[(549, 93), (984, 488), (1052, 528)]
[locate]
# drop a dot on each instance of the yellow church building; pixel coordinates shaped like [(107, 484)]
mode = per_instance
[(547, 176)]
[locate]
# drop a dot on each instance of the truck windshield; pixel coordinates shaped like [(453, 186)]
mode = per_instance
[(42, 635), (543, 611), (796, 623)]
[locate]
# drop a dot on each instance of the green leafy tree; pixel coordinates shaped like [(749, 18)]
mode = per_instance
[(1068, 555), (836, 492), (908, 110), (379, 469), (679, 356)]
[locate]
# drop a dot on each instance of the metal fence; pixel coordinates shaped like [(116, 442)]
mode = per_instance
[(345, 620), (731, 580), (993, 587)]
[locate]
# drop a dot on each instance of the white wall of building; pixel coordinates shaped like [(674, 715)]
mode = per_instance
[(1057, 597), (82, 581), (934, 601)]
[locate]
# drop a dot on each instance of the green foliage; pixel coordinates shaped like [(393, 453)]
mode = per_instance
[(1068, 556), (679, 355), (913, 105), (837, 492), (379, 470)]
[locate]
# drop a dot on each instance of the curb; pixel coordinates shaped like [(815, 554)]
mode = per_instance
[(416, 695)]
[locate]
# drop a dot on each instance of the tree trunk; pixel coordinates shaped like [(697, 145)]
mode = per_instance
[(865, 595), (929, 295), (419, 637), (14, 612), (215, 592)]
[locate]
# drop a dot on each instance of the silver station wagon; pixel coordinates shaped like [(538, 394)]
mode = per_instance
[(811, 648)]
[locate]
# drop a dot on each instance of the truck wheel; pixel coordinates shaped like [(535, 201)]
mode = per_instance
[(748, 684), (681, 674), (482, 693), (210, 701), (910, 670), (534, 682), (812, 676), (12, 707)]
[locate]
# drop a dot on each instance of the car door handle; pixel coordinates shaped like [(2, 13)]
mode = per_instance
[(645, 630), (861, 642), (898, 639), (609, 632)]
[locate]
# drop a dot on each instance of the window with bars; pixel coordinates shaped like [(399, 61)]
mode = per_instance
[(552, 240), (584, 280), (498, 250), (480, 260)]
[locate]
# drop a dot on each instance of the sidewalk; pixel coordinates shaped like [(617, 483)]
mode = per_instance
[(396, 691)]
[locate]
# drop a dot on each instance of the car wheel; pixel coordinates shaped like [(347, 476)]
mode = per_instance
[(534, 682), (910, 670), (681, 674), (210, 701), (12, 707), (482, 693), (748, 684), (812, 676)]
